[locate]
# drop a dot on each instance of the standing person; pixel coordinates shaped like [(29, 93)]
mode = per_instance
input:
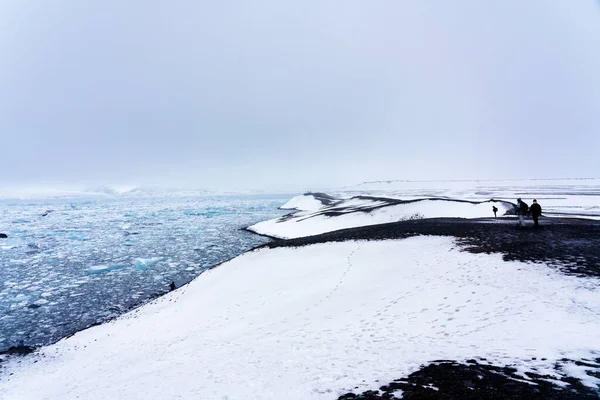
[(523, 208), (536, 211), (495, 210)]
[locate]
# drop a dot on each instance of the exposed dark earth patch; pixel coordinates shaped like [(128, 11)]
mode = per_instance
[(571, 245), (324, 198), (474, 381)]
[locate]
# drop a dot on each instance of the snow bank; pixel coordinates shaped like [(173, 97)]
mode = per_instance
[(357, 212), (317, 321), (305, 202)]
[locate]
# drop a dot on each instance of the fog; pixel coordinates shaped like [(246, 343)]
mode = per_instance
[(278, 95)]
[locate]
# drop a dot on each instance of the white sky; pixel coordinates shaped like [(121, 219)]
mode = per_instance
[(272, 94)]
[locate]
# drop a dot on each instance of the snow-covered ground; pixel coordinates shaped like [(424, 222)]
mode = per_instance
[(560, 197), (314, 217), (317, 321), (369, 203)]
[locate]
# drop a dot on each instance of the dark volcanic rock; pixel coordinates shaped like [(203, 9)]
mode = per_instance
[(3, 236), (450, 380), (18, 350)]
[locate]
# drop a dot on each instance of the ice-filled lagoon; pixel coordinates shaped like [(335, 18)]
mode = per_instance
[(69, 263)]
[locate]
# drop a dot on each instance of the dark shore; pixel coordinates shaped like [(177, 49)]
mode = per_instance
[(571, 245)]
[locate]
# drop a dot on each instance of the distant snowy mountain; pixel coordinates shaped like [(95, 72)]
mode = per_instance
[(524, 182)]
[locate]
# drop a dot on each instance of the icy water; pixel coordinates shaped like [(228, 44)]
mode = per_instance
[(70, 263)]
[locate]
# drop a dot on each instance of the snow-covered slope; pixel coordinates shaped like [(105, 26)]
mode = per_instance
[(364, 210), (318, 321), (309, 202)]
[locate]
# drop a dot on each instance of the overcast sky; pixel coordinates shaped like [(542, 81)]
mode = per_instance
[(305, 94)]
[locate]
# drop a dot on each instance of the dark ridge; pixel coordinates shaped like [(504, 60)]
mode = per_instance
[(474, 381), (324, 198), (570, 245)]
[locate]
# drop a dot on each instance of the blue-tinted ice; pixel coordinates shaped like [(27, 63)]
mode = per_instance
[(70, 263)]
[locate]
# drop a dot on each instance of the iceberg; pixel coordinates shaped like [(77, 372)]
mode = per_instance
[(98, 269), (143, 263)]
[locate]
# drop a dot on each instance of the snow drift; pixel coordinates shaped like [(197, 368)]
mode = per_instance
[(309, 202)]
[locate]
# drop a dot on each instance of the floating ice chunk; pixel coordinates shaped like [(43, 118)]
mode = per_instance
[(143, 263), (40, 302), (77, 236), (98, 269), (21, 297), (189, 269), (18, 305)]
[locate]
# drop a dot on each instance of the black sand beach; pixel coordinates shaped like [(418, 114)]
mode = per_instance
[(571, 245)]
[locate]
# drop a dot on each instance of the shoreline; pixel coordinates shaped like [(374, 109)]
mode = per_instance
[(395, 230), (470, 236), (25, 349)]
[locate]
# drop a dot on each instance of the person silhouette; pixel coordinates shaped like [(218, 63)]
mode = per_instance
[(495, 210), (536, 211), (523, 208)]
